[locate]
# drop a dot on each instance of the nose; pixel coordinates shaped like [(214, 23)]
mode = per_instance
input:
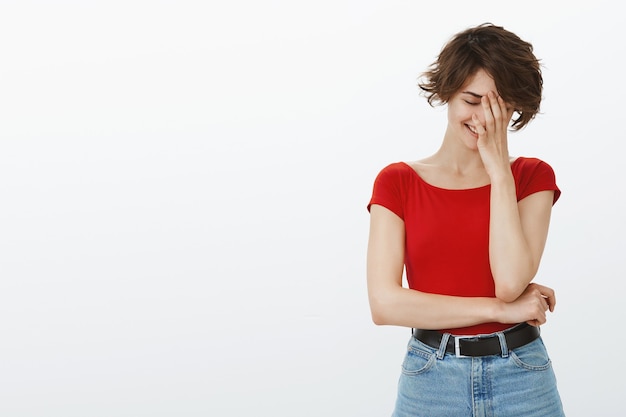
[(479, 119)]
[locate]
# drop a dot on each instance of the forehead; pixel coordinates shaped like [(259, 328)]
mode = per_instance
[(480, 83)]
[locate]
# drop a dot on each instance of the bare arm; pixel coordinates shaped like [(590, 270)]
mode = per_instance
[(517, 237), (517, 231), (392, 304)]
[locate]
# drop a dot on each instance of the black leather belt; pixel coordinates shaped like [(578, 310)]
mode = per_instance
[(515, 337)]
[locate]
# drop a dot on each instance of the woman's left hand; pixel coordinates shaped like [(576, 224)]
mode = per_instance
[(492, 136)]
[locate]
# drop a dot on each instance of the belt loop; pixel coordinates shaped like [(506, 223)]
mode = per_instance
[(443, 345), (503, 347)]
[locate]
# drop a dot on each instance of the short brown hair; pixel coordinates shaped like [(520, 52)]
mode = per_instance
[(503, 55)]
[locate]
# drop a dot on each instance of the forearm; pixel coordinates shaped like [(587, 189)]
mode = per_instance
[(409, 308), (510, 257)]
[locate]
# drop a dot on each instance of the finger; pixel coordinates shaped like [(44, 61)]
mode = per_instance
[(549, 295), (535, 322), (507, 112), (479, 127), (489, 122), (547, 291), (494, 104), (541, 317), (549, 302)]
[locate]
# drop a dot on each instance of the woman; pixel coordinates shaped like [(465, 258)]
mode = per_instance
[(469, 224)]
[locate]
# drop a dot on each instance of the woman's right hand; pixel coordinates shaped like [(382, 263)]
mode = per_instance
[(531, 306)]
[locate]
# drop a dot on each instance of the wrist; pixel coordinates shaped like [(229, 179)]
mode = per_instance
[(498, 310), (502, 178)]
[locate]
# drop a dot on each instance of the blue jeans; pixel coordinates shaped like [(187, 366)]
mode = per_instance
[(518, 382)]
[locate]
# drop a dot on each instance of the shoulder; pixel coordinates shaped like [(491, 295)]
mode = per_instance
[(530, 167), (396, 168), (391, 187), (527, 162), (533, 174), (395, 171)]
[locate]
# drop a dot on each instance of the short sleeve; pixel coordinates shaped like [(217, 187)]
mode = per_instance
[(533, 175), (388, 189)]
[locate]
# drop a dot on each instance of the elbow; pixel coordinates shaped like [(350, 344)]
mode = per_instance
[(379, 309), (510, 290), (508, 295), (509, 287), (378, 316), (378, 319)]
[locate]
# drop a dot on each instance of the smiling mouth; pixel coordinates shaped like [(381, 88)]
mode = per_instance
[(472, 129)]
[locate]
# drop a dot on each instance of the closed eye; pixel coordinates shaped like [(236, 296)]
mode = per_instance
[(471, 103)]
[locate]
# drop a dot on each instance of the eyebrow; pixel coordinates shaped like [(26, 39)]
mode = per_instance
[(472, 94)]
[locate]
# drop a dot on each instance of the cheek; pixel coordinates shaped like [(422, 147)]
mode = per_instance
[(462, 114), (453, 113)]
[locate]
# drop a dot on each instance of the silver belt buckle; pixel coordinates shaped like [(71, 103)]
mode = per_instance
[(457, 347)]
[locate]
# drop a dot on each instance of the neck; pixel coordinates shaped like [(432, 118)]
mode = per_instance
[(457, 158)]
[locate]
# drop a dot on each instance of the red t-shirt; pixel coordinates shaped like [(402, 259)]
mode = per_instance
[(447, 231)]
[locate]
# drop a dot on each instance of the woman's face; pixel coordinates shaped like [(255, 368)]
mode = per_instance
[(466, 102)]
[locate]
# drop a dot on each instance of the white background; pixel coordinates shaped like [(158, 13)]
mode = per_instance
[(183, 188)]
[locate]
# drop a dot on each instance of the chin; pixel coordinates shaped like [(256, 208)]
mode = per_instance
[(471, 143)]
